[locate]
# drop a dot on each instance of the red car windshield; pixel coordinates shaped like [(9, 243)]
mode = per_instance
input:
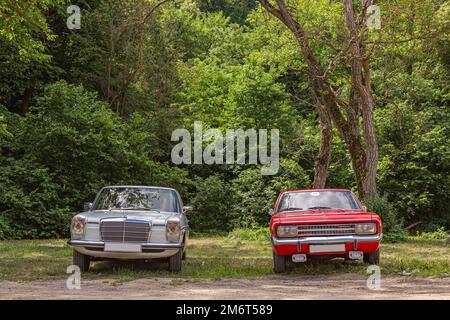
[(318, 200)]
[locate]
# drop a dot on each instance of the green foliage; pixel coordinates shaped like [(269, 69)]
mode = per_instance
[(442, 40), (22, 21), (414, 163), (130, 81), (252, 233), (237, 10), (392, 224), (3, 128), (62, 153), (211, 205), (26, 76), (438, 234), (254, 194), (5, 230)]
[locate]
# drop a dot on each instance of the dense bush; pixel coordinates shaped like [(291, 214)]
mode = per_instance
[(254, 232), (245, 201), (413, 168), (229, 66), (61, 153), (254, 194), (211, 204), (438, 234), (392, 224), (31, 207)]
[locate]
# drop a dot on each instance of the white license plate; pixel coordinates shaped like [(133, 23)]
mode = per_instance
[(317, 248), (299, 258), (122, 247)]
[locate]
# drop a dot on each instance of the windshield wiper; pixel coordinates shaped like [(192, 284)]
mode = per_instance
[(318, 208), (290, 209)]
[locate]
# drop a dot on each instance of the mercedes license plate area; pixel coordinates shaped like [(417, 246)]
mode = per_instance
[(122, 247)]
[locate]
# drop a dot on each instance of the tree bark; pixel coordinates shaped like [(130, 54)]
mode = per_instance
[(322, 161), (26, 100), (363, 148), (360, 79)]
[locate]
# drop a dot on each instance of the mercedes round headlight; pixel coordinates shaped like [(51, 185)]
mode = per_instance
[(77, 227), (366, 228), (173, 230), (287, 231)]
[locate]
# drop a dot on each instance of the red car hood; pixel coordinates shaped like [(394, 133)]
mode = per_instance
[(324, 216)]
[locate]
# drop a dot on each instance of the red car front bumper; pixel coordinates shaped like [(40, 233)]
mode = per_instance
[(290, 246)]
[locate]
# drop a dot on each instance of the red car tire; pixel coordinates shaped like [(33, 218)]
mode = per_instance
[(372, 257), (279, 263)]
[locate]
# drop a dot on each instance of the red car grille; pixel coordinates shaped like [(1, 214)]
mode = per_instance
[(326, 230), (123, 231)]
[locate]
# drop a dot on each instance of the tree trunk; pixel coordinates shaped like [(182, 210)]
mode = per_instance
[(26, 100), (323, 158), (362, 97), (363, 148), (371, 149), (322, 161)]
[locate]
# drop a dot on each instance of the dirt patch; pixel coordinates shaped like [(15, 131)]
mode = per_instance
[(349, 286)]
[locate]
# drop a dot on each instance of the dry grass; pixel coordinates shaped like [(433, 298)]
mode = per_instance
[(215, 257)]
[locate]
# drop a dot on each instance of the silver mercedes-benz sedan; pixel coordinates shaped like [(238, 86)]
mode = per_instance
[(130, 223)]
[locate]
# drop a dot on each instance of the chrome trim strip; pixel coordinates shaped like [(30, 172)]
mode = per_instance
[(327, 240), (146, 245)]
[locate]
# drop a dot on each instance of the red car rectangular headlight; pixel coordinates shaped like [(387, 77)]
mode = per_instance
[(287, 231), (366, 228)]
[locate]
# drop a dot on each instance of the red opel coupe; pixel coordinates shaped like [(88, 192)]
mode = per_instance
[(323, 223)]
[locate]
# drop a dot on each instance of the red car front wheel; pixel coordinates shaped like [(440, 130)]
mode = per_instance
[(279, 263), (372, 257)]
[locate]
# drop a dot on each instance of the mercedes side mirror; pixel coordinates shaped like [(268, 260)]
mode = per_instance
[(364, 208), (187, 209), (87, 206), (271, 211)]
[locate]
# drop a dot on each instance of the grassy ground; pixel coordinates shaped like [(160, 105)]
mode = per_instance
[(214, 258)]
